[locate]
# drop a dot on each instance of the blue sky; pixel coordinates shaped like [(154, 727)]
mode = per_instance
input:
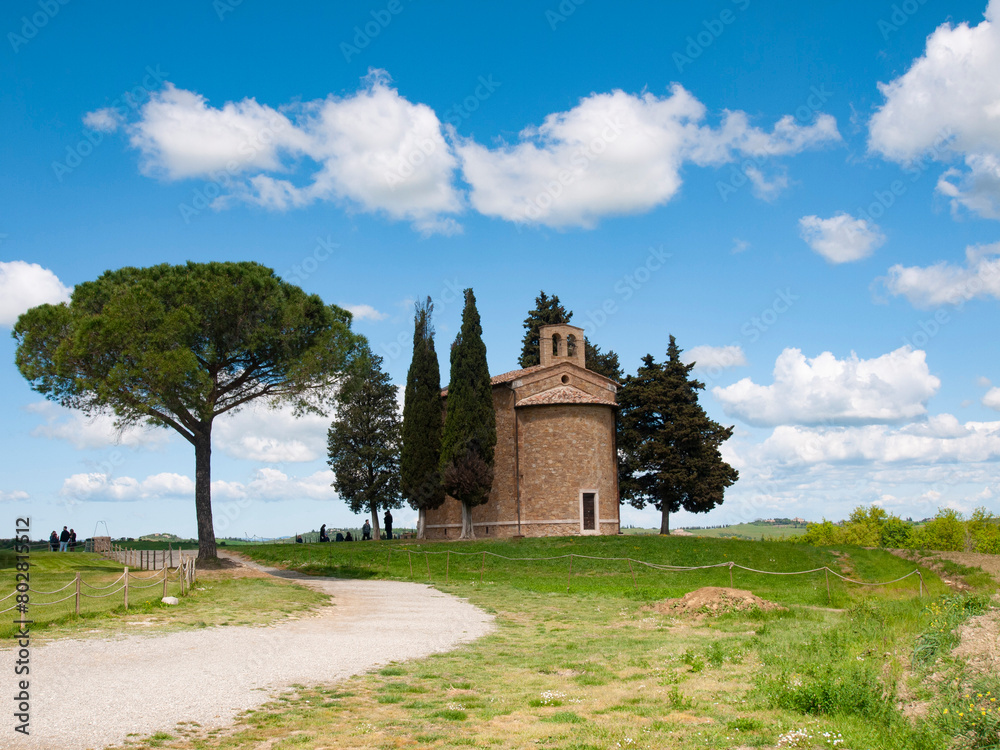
[(805, 195)]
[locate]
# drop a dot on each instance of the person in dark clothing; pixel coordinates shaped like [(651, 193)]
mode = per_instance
[(322, 534), (387, 519), (54, 540), (348, 538), (366, 531), (63, 539), (298, 539), (339, 537), (72, 539)]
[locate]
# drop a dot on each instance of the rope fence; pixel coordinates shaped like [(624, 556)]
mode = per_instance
[(185, 574), (661, 567)]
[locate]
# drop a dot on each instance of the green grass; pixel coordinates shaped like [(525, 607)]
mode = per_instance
[(605, 577), (752, 531), (214, 601), (601, 667)]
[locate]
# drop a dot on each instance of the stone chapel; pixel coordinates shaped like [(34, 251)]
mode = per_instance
[(556, 462)]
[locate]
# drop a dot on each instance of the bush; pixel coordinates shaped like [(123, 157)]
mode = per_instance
[(945, 532), (984, 530)]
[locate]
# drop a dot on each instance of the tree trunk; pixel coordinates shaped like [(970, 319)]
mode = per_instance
[(421, 522), (467, 530), (375, 531), (203, 492), (665, 520)]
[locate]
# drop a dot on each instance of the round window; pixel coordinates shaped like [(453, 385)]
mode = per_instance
[(565, 379)]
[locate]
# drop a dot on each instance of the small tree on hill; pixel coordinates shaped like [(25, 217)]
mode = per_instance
[(176, 346), (363, 441), (470, 433), (668, 447), (420, 458)]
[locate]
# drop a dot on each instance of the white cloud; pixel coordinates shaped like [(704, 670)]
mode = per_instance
[(26, 285), (106, 120), (98, 486), (739, 246), (946, 283), (941, 439), (841, 238), (715, 357), (365, 312), (265, 485), (374, 150), (824, 389), (13, 496), (91, 432), (947, 104), (992, 398), (272, 435), (180, 136), (618, 154)]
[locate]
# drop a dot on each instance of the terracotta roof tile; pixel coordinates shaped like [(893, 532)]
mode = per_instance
[(506, 377), (564, 394)]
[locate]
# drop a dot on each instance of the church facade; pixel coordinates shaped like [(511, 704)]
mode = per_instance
[(556, 463)]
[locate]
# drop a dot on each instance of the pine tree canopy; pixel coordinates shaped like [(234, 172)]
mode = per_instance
[(176, 346), (669, 448), (420, 457)]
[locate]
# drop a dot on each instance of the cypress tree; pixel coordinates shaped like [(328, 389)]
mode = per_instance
[(668, 447), (420, 475), (363, 441), (470, 433)]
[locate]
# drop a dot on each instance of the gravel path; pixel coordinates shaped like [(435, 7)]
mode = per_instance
[(92, 693)]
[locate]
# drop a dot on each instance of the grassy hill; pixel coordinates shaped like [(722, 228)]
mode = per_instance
[(549, 571)]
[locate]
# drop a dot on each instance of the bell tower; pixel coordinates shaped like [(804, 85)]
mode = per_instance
[(561, 343)]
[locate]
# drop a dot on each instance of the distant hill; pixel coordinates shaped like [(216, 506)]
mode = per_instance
[(163, 538)]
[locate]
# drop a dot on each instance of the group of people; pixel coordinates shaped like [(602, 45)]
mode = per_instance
[(366, 531), (62, 542)]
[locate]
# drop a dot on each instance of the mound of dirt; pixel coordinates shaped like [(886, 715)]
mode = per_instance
[(715, 600)]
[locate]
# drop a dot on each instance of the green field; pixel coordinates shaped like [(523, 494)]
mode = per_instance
[(213, 602), (756, 531), (585, 658), (604, 577), (599, 667)]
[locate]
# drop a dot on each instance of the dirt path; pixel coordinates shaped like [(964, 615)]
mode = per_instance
[(92, 693), (989, 563)]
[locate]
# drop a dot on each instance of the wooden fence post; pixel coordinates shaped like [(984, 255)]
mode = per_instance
[(730, 575), (570, 572), (829, 597), (630, 570), (126, 588), (409, 556), (482, 569), (170, 546), (921, 576), (78, 593)]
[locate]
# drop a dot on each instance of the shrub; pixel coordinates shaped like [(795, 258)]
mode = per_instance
[(945, 532), (984, 529)]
